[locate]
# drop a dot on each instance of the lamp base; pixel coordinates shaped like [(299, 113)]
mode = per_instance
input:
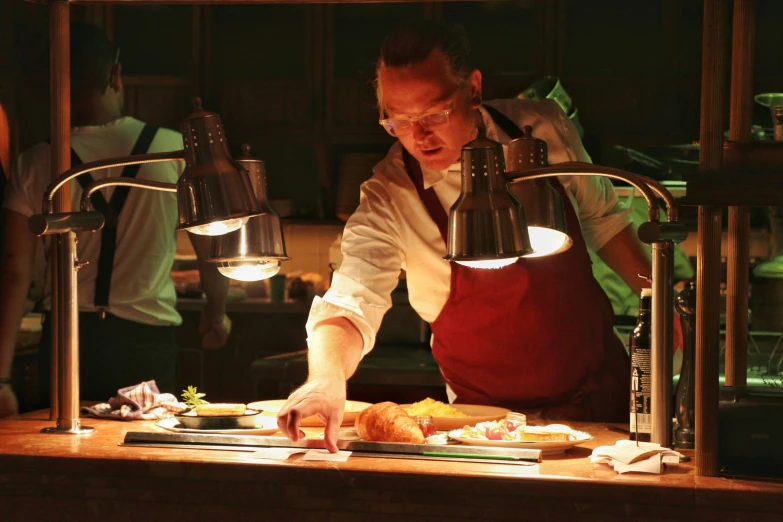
[(77, 430)]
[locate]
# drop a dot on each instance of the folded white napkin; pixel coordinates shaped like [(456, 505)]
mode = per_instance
[(626, 456)]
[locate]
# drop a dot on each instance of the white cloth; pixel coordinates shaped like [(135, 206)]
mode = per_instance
[(141, 285), (628, 456), (391, 229), (142, 401)]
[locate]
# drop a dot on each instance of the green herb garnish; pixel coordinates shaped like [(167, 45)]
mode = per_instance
[(192, 397)]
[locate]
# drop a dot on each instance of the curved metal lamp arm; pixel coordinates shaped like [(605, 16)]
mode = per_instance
[(139, 159), (123, 182), (647, 186), (662, 237)]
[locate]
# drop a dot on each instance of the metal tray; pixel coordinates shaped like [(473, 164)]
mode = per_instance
[(228, 441)]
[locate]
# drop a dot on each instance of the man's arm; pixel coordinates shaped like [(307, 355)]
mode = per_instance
[(334, 354), (628, 257), (15, 274), (215, 324), (335, 350)]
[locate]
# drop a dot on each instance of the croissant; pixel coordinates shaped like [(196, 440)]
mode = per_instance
[(387, 422)]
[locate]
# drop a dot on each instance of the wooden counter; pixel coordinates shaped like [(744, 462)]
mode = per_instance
[(62, 477)]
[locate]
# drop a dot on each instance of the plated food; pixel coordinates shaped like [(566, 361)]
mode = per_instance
[(248, 420), (387, 422), (447, 417), (204, 415), (511, 433), (515, 429), (263, 426)]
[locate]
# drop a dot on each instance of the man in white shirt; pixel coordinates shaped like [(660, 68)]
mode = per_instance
[(534, 336), (127, 301)]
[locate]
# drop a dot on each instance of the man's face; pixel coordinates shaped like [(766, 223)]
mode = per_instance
[(430, 87)]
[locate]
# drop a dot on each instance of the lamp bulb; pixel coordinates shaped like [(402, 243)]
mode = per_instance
[(218, 228), (547, 241), (489, 263), (250, 271)]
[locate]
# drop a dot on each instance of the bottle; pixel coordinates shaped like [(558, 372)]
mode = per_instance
[(685, 403), (641, 365)]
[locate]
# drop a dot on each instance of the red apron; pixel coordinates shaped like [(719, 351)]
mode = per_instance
[(536, 336)]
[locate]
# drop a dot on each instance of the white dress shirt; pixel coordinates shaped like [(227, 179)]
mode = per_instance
[(391, 229), (141, 285)]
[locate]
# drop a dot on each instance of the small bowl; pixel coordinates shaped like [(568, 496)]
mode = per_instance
[(223, 422)]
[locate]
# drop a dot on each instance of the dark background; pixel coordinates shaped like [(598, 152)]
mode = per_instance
[(294, 81)]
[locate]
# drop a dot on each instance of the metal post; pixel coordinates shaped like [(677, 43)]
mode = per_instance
[(662, 317), (708, 253), (60, 130), (65, 309), (68, 344)]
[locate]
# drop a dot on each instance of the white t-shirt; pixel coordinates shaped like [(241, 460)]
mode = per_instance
[(391, 229), (141, 285)]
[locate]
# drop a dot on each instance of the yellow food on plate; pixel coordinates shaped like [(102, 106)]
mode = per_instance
[(431, 407), (220, 410), (542, 434)]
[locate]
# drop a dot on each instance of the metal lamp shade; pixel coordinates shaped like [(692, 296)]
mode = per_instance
[(214, 194), (255, 250), (487, 227), (543, 205)]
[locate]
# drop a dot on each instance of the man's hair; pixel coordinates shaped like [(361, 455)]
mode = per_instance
[(93, 56), (414, 41)]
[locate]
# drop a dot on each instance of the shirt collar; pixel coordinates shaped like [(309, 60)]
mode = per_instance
[(432, 177), (90, 129)]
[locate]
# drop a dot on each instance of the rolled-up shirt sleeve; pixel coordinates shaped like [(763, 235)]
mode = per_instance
[(24, 192), (601, 213), (372, 258)]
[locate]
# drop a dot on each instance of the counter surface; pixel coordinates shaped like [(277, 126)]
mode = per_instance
[(91, 477)]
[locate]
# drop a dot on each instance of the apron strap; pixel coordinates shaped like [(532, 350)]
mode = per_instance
[(513, 131), (109, 231), (504, 122), (428, 197)]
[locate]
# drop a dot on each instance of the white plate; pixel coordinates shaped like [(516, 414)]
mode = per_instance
[(264, 426), (552, 447)]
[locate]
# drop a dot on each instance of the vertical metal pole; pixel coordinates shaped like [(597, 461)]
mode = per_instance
[(65, 309), (708, 253), (662, 316), (68, 333), (60, 131), (740, 121)]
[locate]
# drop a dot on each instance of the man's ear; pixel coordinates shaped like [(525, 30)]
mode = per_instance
[(115, 80), (475, 88)]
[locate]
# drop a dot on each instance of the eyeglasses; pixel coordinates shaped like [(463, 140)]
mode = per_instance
[(430, 121)]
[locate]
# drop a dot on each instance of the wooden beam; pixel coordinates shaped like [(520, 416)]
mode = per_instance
[(708, 265), (228, 2)]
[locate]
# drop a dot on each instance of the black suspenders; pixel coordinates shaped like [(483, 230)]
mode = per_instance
[(111, 212)]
